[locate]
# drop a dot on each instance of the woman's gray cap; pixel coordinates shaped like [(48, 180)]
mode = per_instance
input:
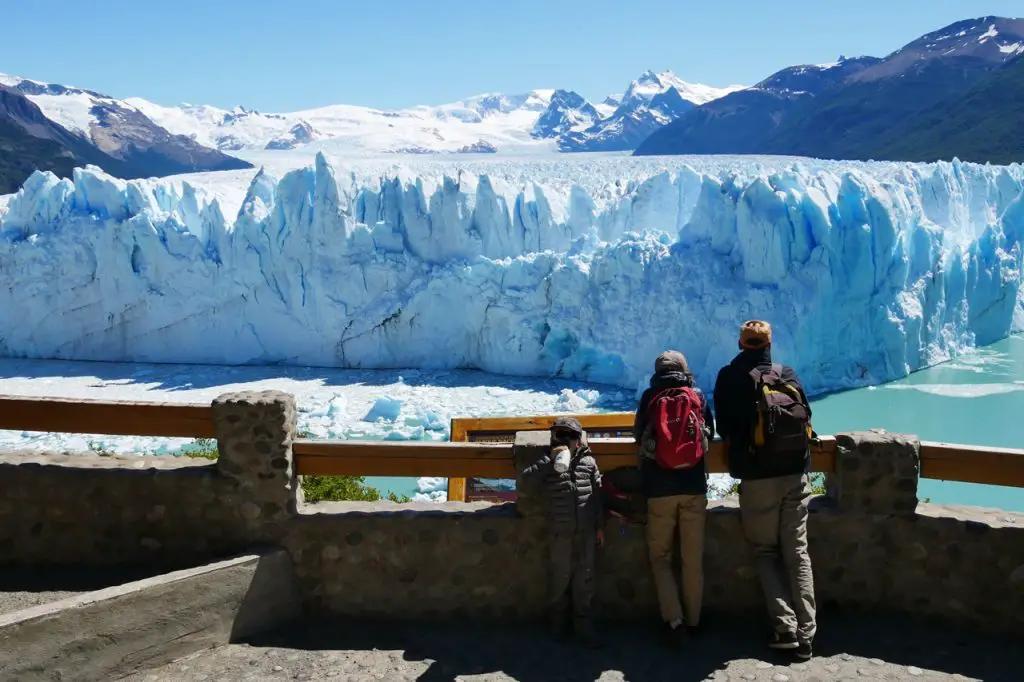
[(671, 361)]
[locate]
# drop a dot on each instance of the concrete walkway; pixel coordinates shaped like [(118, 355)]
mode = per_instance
[(849, 647)]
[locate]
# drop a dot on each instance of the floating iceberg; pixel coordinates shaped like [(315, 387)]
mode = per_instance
[(584, 269), (386, 409)]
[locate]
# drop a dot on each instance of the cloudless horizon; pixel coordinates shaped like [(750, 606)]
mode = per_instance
[(277, 57)]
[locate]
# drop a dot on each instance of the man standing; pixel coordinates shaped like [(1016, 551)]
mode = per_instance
[(571, 483), (677, 497), (764, 417)]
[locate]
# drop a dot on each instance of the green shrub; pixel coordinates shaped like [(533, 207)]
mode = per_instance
[(336, 488), (202, 448), (314, 488)]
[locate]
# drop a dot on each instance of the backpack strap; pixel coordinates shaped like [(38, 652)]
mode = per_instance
[(653, 402), (777, 368), (756, 373), (664, 393)]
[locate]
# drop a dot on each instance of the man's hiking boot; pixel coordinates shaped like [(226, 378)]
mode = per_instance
[(804, 651), (783, 640)]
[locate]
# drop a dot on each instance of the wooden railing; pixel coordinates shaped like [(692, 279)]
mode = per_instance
[(482, 447), (503, 430), (972, 464), (610, 436), (478, 460), (113, 418)]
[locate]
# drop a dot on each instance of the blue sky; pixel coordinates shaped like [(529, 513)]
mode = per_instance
[(284, 56)]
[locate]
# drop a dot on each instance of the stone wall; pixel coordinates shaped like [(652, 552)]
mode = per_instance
[(872, 544), (475, 560), (169, 511), (92, 509), (413, 562)]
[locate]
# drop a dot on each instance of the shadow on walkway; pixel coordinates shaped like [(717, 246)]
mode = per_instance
[(73, 578), (847, 643)]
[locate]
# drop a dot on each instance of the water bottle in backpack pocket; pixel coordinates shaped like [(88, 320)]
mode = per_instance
[(677, 417), (782, 419)]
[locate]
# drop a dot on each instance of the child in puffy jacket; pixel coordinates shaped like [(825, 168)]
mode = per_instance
[(571, 484)]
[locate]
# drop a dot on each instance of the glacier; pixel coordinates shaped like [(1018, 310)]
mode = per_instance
[(583, 269)]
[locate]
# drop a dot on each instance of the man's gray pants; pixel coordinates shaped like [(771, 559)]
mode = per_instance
[(571, 578), (774, 515)]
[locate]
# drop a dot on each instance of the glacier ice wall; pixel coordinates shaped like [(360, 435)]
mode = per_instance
[(865, 271)]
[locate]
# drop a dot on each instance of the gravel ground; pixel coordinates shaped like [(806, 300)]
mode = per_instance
[(22, 588), (16, 601), (848, 648)]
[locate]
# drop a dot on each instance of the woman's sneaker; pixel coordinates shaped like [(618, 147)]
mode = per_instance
[(804, 651), (783, 640)]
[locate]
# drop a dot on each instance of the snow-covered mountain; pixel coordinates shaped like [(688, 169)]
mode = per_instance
[(567, 111), (120, 131), (988, 41), (536, 121), (813, 79), (872, 108), (651, 101), (539, 119), (503, 121)]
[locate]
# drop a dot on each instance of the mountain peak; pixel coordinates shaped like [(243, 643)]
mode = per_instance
[(989, 38), (650, 84), (803, 79), (645, 87), (567, 111), (58, 128), (984, 41), (649, 76)]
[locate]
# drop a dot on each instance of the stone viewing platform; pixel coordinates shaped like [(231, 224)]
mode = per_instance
[(850, 647), (219, 568)]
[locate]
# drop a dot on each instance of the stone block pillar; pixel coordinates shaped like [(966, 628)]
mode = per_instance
[(876, 473), (528, 448), (255, 430)]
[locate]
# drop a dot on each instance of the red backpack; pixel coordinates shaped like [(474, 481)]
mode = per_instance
[(678, 425)]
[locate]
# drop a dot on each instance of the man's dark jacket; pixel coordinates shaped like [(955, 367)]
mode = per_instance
[(734, 408), (658, 481)]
